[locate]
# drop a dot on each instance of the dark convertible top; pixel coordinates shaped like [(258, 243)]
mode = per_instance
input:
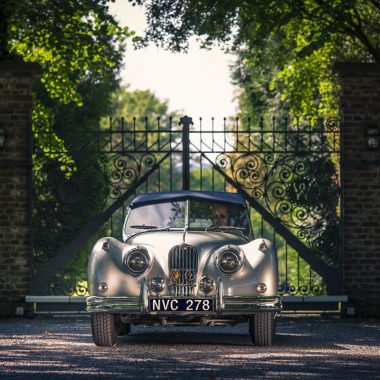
[(205, 196)]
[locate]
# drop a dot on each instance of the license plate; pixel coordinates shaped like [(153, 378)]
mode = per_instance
[(181, 304)]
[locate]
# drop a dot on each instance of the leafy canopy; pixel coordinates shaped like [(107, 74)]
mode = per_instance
[(79, 47), (285, 48), (127, 104), (241, 22), (74, 41)]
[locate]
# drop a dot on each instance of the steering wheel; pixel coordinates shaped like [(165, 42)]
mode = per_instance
[(213, 228)]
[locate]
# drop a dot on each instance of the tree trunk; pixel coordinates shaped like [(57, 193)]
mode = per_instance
[(4, 53)]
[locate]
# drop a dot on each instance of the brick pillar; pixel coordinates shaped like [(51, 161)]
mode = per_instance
[(15, 176), (360, 105)]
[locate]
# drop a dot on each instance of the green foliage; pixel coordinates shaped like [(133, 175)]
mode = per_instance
[(79, 47), (285, 55), (285, 84), (285, 49), (239, 22), (42, 117), (124, 104), (74, 42), (140, 103)]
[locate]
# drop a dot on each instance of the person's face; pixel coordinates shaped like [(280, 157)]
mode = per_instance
[(220, 216)]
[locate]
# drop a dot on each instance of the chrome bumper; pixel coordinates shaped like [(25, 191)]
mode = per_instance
[(224, 304)]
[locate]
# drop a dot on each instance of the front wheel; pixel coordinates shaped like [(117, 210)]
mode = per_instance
[(104, 331), (262, 328)]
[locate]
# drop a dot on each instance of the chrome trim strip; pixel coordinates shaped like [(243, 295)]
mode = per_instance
[(143, 296), (247, 304), (107, 304), (187, 214), (231, 304), (219, 295)]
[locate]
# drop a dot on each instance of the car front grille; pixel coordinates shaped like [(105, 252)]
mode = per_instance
[(183, 267)]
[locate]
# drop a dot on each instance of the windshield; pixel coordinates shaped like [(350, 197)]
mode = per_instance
[(202, 216)]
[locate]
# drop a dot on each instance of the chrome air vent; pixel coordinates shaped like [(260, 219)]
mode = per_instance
[(183, 267)]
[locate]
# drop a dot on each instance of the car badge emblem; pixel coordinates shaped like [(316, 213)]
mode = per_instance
[(174, 276), (189, 275)]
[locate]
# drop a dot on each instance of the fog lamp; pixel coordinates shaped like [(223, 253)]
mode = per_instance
[(157, 284), (103, 287), (261, 287), (206, 284)]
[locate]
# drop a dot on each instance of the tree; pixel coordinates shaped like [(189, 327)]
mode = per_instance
[(104, 175), (285, 53), (290, 46), (275, 83), (79, 47), (239, 22), (127, 103), (147, 121), (73, 41)]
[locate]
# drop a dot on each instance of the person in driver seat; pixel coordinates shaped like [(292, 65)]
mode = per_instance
[(220, 215)]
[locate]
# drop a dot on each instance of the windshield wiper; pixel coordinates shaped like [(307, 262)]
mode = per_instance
[(148, 228), (145, 227), (155, 228), (232, 228)]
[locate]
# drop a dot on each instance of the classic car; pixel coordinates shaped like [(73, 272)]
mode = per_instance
[(186, 258)]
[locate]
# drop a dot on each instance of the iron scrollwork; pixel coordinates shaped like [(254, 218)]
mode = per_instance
[(122, 170), (300, 190), (291, 172), (63, 205)]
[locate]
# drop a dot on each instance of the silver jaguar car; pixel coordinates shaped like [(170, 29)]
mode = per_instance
[(186, 258)]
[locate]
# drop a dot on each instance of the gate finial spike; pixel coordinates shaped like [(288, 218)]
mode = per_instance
[(186, 121)]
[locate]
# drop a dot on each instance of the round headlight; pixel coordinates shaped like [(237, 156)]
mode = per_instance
[(137, 261), (229, 260)]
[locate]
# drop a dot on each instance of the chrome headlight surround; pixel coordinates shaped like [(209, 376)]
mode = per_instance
[(137, 261), (229, 259)]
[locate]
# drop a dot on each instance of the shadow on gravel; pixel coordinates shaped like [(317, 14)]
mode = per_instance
[(319, 348), (192, 363), (302, 333), (186, 338), (282, 341)]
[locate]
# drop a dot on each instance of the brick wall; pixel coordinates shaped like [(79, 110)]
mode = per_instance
[(360, 104), (15, 170)]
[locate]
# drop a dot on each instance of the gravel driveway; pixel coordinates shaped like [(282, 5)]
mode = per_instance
[(312, 347)]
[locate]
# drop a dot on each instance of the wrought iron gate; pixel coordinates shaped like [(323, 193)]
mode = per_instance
[(289, 172)]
